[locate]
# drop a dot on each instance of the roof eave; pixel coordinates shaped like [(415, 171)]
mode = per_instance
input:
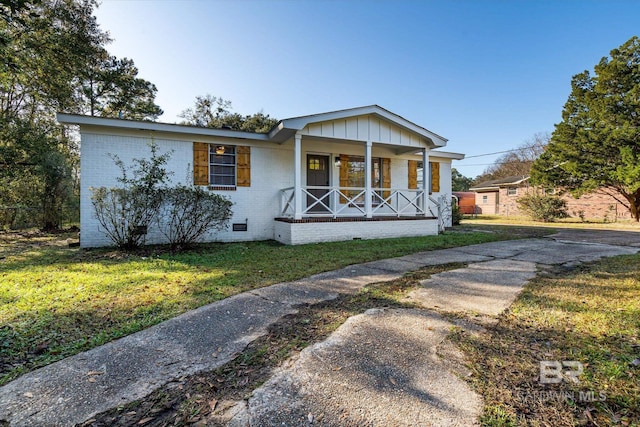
[(76, 119), (447, 155)]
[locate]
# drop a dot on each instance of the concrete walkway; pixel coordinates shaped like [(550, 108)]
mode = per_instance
[(74, 389)]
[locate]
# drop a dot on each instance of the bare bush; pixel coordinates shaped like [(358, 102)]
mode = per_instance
[(125, 212), (188, 213)]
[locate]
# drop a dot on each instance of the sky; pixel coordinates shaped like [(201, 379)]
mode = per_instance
[(486, 75)]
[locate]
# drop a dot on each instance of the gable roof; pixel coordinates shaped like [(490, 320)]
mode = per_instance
[(497, 183), (286, 128)]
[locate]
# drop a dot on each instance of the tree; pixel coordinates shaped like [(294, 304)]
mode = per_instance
[(459, 182), (111, 87), (215, 112), (52, 52), (596, 146), (516, 162)]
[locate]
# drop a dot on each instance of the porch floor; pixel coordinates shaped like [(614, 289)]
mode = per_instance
[(352, 219)]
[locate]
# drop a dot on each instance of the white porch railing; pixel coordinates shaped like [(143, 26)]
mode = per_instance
[(349, 201)]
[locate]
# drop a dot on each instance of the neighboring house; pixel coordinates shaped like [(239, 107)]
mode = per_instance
[(499, 197), (348, 174)]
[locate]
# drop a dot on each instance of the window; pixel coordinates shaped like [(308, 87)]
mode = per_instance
[(317, 164), (415, 175), (222, 165), (352, 170), (355, 172), (512, 191), (485, 200), (355, 176)]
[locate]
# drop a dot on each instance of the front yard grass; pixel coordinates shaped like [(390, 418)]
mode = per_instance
[(572, 222), (590, 315), (57, 301)]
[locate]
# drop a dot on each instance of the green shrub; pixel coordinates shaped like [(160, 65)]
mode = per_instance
[(187, 213), (456, 215), (542, 207)]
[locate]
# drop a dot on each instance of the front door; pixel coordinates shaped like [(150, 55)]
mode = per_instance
[(318, 176)]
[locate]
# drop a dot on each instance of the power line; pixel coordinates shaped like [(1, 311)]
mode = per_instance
[(502, 152), (475, 164), (506, 162)]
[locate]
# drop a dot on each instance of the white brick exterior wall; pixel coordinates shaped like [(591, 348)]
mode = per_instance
[(257, 205), (315, 232), (271, 170)]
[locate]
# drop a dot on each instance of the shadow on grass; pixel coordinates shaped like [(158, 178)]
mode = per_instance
[(58, 302), (568, 317)]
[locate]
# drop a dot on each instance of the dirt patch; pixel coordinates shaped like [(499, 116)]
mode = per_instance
[(16, 242)]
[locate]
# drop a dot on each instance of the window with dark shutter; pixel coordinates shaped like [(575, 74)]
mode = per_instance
[(221, 167)]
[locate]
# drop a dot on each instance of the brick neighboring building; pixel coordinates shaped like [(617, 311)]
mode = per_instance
[(499, 197)]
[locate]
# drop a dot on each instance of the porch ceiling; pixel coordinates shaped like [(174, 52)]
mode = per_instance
[(396, 148)]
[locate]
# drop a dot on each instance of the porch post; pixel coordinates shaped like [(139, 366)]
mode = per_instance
[(297, 177), (426, 177), (367, 180)]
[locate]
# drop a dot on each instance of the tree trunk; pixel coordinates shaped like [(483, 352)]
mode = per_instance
[(634, 204)]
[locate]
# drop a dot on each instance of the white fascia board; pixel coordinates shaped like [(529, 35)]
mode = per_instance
[(75, 119), (446, 155), (483, 189)]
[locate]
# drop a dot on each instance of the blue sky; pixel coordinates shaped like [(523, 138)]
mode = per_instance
[(487, 75)]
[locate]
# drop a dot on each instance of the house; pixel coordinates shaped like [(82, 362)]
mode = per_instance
[(340, 175), (500, 197), (489, 195)]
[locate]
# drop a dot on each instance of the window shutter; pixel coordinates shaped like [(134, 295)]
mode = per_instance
[(243, 166), (435, 177), (413, 174), (386, 177), (344, 175), (200, 163)]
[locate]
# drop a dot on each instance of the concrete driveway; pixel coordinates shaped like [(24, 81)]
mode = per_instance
[(396, 367)]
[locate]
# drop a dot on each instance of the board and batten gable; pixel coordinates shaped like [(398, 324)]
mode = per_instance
[(271, 169), (364, 128)]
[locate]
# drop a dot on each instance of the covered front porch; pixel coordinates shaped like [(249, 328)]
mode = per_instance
[(359, 174)]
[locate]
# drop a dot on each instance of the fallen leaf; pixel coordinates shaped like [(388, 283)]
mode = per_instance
[(310, 417), (145, 420), (91, 379), (587, 412), (28, 394), (338, 368), (131, 413), (213, 404), (95, 373), (393, 381)]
